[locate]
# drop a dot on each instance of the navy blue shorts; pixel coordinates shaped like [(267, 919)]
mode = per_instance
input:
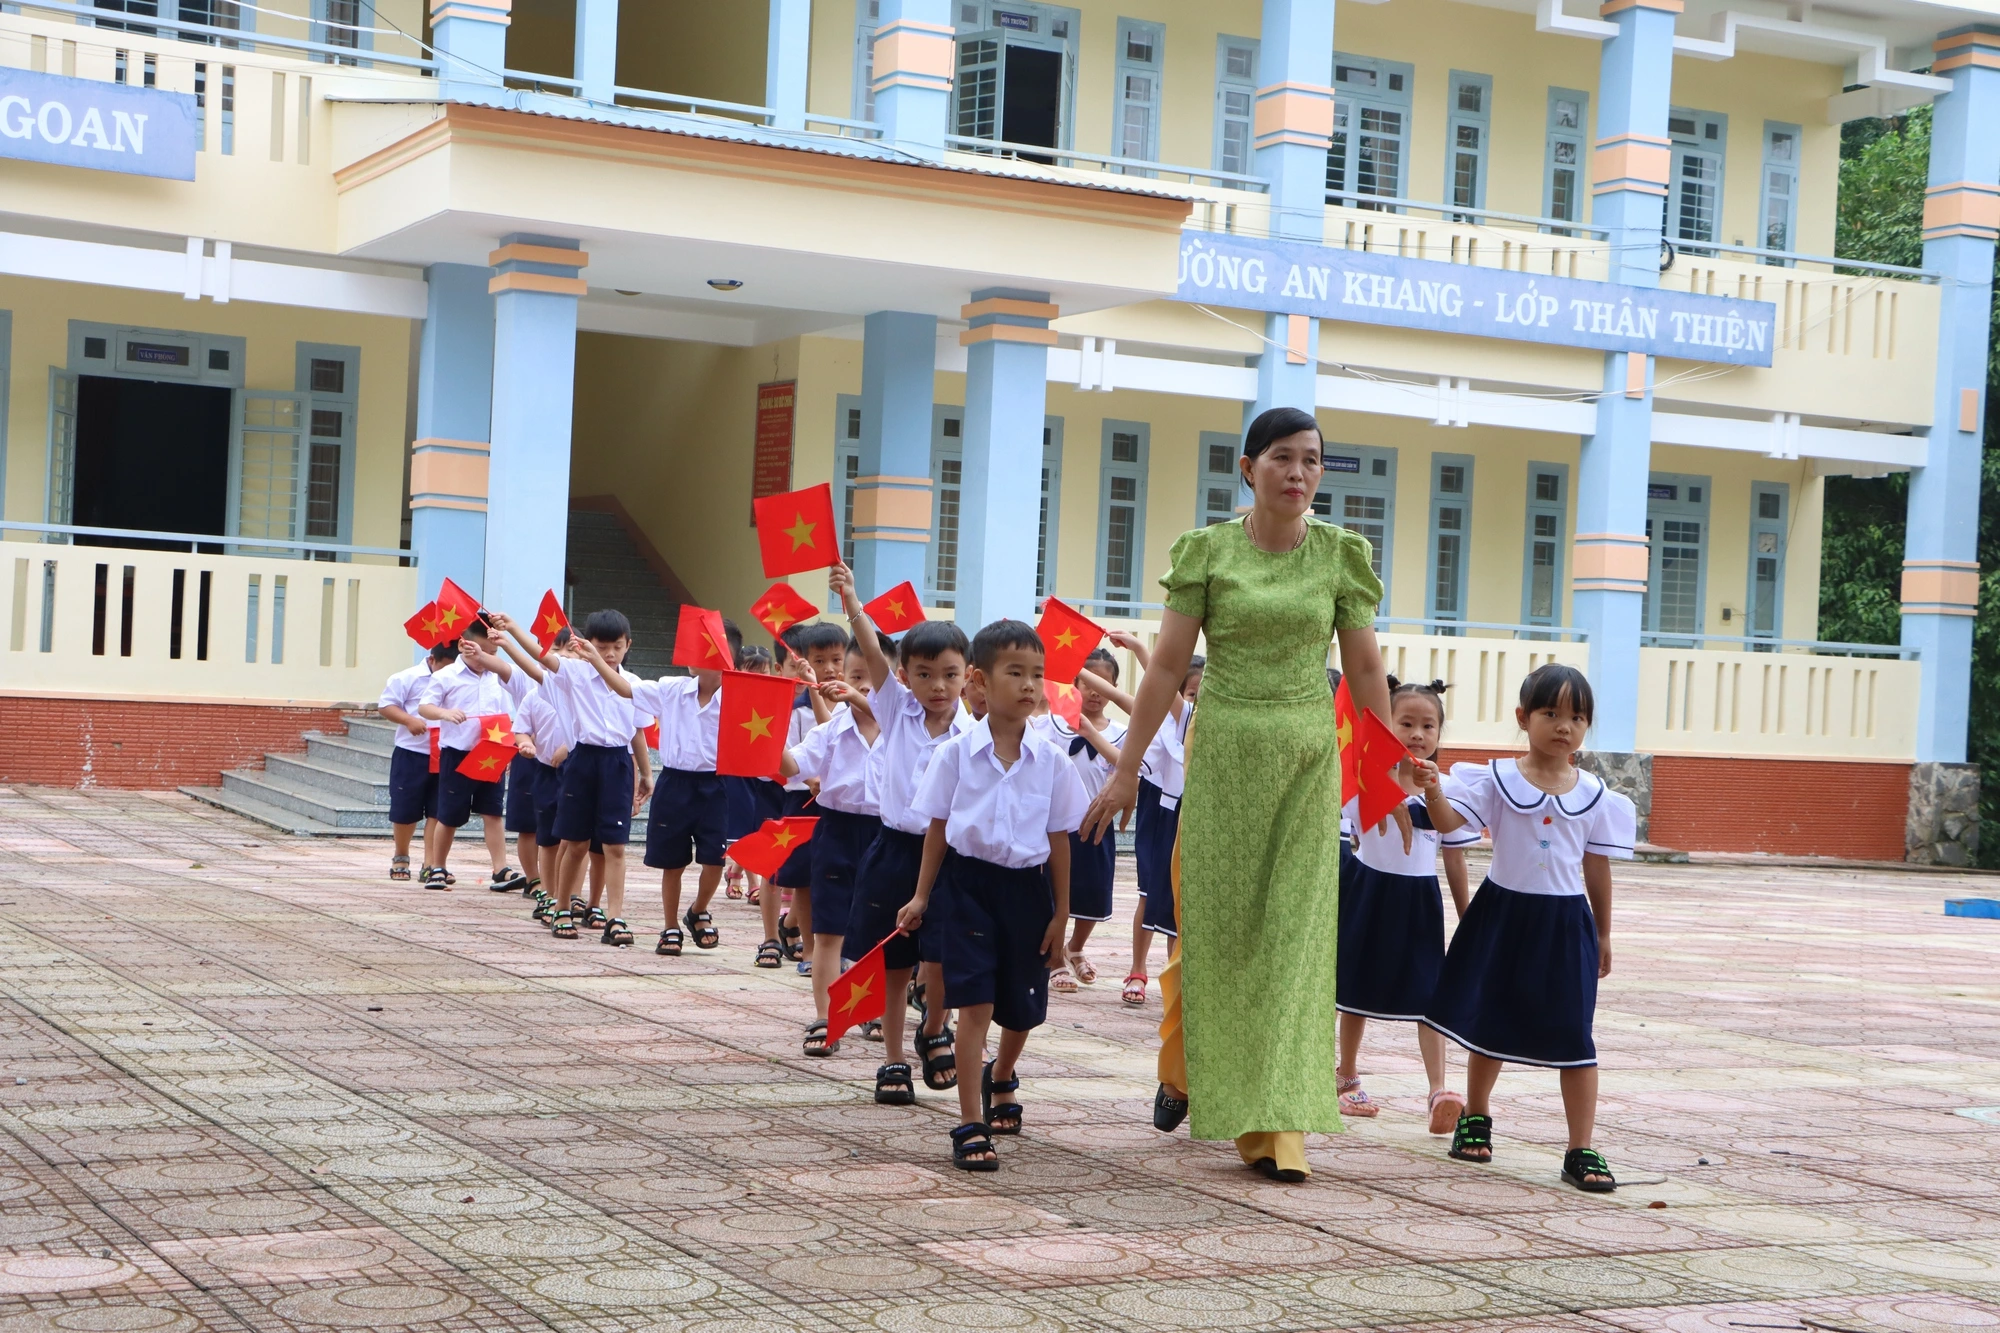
[(839, 841), (548, 796), (884, 883), (1091, 868), (749, 802), (413, 788), (460, 797), (993, 940), (523, 784), (687, 822), (1153, 848), (796, 872), (595, 803)]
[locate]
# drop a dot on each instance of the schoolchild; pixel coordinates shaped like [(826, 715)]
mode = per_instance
[(1519, 983), (749, 802), (916, 704), (1093, 749), (547, 721), (479, 684), (412, 785), (1002, 801), (1391, 938), (816, 653), (1157, 820)]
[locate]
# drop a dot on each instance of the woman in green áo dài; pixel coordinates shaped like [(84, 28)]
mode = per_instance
[(1260, 819)]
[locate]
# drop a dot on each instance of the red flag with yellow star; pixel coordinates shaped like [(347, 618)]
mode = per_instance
[(781, 607), (1065, 701), (435, 732), (795, 531), (425, 627), (1347, 727), (457, 608), (1068, 639), (897, 609), (549, 620), (488, 760), (763, 852), (1375, 770), (699, 641), (857, 995), (750, 735)]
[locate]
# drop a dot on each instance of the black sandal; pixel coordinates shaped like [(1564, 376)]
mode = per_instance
[(967, 1142), (529, 888), (913, 996), (790, 938), (594, 919), (940, 1071), (1000, 1117), (435, 877), (770, 955), (1268, 1168), (872, 1030), (545, 907), (399, 868), (893, 1086), (1580, 1164), (1476, 1131), (816, 1043), (577, 907), (616, 933), (701, 926), (563, 926), (1168, 1112), (505, 880), (670, 943)]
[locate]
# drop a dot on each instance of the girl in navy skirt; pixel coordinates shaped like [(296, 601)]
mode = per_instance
[(1392, 918), (1093, 748), (1519, 983), (1157, 822)]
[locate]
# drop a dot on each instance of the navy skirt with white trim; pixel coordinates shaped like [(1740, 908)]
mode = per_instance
[(1519, 982), (1391, 942), (1157, 828)]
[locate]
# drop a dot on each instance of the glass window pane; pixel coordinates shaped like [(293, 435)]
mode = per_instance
[(1124, 447)]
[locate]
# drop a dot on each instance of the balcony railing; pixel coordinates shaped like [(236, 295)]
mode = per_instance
[(1457, 213), (1128, 166), (413, 54), (54, 533)]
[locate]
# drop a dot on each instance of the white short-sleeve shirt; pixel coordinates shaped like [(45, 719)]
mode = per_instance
[(999, 814), (596, 713), (838, 755), (802, 722), (405, 690), (1539, 840), (477, 693), (1091, 766), (1383, 850), (688, 727), (1165, 761), (541, 719), (903, 751)]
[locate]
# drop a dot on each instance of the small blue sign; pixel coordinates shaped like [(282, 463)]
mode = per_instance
[(1297, 278), (102, 126)]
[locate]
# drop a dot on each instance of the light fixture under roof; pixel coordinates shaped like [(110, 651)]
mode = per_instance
[(726, 284), (622, 291)]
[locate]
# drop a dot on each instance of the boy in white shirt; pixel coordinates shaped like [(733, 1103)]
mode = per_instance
[(814, 654), (1002, 800), (412, 785), (479, 684)]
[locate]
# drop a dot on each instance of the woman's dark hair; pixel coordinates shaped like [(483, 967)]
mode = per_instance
[(1103, 664), (1433, 691), (1276, 424), (1548, 684), (752, 656), (606, 626), (932, 640)]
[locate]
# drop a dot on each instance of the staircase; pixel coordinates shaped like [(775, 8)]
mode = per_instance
[(607, 570), (339, 788)]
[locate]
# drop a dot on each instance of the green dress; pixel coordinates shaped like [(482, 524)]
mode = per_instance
[(1260, 825)]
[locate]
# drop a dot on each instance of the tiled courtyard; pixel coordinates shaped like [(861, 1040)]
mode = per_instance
[(248, 1084)]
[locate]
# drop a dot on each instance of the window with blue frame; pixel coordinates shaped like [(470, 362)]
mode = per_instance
[(340, 23), (1781, 188), (1451, 534), (867, 15), (1216, 485), (1358, 491), (1677, 554), (1564, 179), (1694, 204), (846, 467), (1468, 123), (1121, 514), (1546, 541), (1371, 128), (1049, 527), (1235, 103), (332, 377), (947, 480), (1770, 518), (1016, 72), (1136, 118)]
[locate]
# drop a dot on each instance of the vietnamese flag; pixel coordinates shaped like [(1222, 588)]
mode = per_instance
[(488, 760), (795, 531), (1065, 701), (652, 735), (1068, 639), (780, 607), (1375, 783), (425, 627), (457, 608), (897, 609), (434, 749), (756, 712), (857, 995), (700, 643), (549, 620), (1347, 727), (763, 852)]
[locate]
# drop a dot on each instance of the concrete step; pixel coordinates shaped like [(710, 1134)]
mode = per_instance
[(320, 807), (375, 732), (332, 780), (277, 817), (340, 752)]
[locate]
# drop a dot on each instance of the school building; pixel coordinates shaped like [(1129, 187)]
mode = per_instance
[(308, 304)]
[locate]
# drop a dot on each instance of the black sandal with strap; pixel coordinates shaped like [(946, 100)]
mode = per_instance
[(577, 907), (531, 887), (967, 1143), (594, 919), (1000, 1117), (1168, 1112), (545, 907), (940, 1071), (770, 955), (563, 926), (893, 1086), (790, 938), (399, 868), (616, 933), (702, 926), (505, 880), (816, 1043), (670, 943), (1475, 1131), (1580, 1164)]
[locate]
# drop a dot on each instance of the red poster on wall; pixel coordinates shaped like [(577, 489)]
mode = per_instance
[(771, 465)]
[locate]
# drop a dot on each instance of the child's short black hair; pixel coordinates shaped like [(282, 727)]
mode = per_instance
[(998, 637), (751, 656), (1433, 691), (1102, 663), (1196, 665), (1548, 684), (818, 637), (882, 641), (476, 628), (931, 640), (606, 626), (734, 635), (1333, 678), (563, 636), (444, 652)]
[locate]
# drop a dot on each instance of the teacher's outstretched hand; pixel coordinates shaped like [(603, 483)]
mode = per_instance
[(1112, 807)]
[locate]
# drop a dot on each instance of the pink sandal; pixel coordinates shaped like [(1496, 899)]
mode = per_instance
[(1135, 989), (1446, 1108), (1081, 966), (1061, 982), (1354, 1101)]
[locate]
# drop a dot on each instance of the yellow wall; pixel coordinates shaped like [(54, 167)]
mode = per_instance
[(42, 311)]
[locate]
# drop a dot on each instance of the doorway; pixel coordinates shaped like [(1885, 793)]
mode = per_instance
[(1031, 107), (150, 454)]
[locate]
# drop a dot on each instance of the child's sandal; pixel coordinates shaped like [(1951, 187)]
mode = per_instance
[(577, 907), (435, 877), (816, 1042), (1446, 1107), (563, 926), (1580, 1165), (449, 878), (872, 1030), (1085, 971), (531, 887), (594, 919), (1355, 1101), (702, 926), (972, 1148), (1135, 989), (505, 880), (1062, 982), (791, 938), (616, 933), (1000, 1117), (940, 1070), (399, 868), (770, 955), (670, 943), (1473, 1134), (893, 1086)]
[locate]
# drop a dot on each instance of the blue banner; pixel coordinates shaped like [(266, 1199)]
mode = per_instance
[(103, 126), (1297, 278)]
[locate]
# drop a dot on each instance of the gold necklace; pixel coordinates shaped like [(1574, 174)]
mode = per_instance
[(1252, 533)]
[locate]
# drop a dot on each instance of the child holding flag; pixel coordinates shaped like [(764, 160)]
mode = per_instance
[(1093, 748), (480, 684), (412, 784)]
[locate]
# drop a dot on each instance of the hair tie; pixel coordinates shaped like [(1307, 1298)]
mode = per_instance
[(1438, 687)]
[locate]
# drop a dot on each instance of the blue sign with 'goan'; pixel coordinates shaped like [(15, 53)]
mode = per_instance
[(102, 126), (1297, 278)]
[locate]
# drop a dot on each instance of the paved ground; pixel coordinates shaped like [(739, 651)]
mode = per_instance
[(247, 1084)]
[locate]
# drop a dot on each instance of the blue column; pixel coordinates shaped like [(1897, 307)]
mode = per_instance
[(1000, 497), (787, 53), (1294, 129), (535, 287), (1630, 168), (596, 62), (448, 459), (1941, 549), (470, 37), (914, 54), (892, 494)]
